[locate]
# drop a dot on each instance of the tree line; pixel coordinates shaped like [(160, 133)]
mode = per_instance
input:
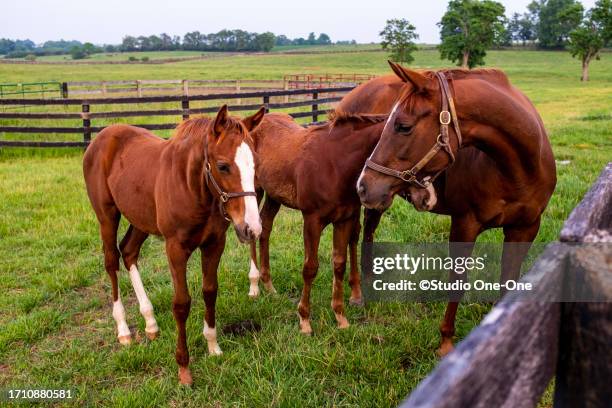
[(224, 40), (469, 28)]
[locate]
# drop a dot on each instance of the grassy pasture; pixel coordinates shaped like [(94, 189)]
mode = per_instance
[(56, 327)]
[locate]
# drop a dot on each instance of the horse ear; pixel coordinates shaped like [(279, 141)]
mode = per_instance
[(418, 80), (253, 121), (220, 120)]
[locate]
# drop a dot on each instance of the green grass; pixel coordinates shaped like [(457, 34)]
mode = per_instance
[(56, 327)]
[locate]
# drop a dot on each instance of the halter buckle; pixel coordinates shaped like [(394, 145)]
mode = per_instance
[(407, 176), (445, 117), (224, 197)]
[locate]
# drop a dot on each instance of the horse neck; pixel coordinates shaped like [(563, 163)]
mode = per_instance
[(496, 122), (192, 172)]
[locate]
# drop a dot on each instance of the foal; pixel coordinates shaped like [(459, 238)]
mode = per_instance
[(185, 189), (314, 170)]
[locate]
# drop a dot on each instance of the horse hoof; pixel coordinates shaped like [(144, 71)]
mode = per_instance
[(446, 346), (125, 340), (185, 376), (343, 323), (356, 302), (215, 351), (152, 335), (305, 327), (254, 292), (269, 287)]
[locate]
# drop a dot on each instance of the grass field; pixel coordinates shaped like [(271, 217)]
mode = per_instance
[(56, 327)]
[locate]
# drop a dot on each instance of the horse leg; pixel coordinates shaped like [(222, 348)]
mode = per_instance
[(109, 216), (463, 234), (253, 271), (211, 254), (268, 212), (130, 250), (371, 219), (354, 276), (312, 234), (342, 235), (178, 255), (517, 241)]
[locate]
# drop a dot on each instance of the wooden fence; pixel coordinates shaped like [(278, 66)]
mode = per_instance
[(509, 360), (317, 98)]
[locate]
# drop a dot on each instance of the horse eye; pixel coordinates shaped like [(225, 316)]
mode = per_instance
[(403, 128), (223, 167)]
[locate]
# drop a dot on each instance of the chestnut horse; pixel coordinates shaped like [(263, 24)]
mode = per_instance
[(183, 189), (503, 175), (314, 170)]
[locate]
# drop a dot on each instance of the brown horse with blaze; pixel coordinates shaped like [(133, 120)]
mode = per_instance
[(476, 143), (185, 189)]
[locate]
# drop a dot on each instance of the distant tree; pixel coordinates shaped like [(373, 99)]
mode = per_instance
[(324, 39), (282, 40), (129, 43), (398, 37), (555, 20), (30, 57), (265, 41), (110, 48), (77, 52), (88, 48), (194, 41), (312, 40), (592, 35), (165, 42), (468, 29)]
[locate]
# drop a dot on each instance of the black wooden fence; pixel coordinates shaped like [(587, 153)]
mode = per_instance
[(317, 98), (510, 358)]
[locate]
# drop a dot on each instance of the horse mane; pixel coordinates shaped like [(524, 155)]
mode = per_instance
[(198, 126), (462, 73), (339, 116)]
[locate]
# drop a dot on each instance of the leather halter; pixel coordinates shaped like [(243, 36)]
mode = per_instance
[(447, 114), (224, 196)]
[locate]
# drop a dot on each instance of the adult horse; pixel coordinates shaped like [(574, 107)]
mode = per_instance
[(185, 189), (314, 170), (503, 176)]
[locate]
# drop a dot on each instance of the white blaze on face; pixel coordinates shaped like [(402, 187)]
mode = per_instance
[(391, 116), (246, 165)]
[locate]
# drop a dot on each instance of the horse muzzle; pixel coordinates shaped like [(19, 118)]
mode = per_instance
[(245, 233), (374, 196)]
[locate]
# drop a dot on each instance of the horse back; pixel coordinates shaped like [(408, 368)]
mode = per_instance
[(120, 167)]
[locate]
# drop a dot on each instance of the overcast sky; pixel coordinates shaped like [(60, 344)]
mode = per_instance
[(107, 21)]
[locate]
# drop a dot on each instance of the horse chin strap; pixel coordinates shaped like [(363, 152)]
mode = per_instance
[(224, 196), (447, 115)]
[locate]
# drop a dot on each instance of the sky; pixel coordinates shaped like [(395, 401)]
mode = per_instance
[(107, 21)]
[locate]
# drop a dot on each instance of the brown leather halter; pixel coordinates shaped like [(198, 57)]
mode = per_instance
[(224, 196), (447, 114)]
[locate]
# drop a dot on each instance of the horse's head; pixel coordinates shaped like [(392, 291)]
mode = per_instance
[(411, 148), (231, 171)]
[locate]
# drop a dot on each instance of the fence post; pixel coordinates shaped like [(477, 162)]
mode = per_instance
[(238, 101), (266, 102), (104, 88), (185, 87), (86, 123), (138, 88), (315, 106), (185, 106), (286, 88)]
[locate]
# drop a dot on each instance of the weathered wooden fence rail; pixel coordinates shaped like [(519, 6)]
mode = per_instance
[(317, 98), (510, 358)]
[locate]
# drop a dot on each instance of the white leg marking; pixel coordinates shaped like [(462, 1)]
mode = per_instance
[(246, 164), (211, 337), (146, 308), (123, 331), (254, 279)]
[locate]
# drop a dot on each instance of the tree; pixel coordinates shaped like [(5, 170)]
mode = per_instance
[(324, 39), (398, 36), (77, 52), (592, 35), (265, 41), (469, 28), (312, 40), (129, 43), (555, 20)]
